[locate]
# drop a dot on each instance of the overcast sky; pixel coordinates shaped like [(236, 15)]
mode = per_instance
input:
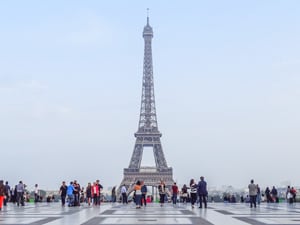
[(227, 88)]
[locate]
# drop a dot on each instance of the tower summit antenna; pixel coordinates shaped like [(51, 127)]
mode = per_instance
[(147, 16)]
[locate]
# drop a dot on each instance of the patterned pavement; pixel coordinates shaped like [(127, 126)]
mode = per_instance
[(153, 214)]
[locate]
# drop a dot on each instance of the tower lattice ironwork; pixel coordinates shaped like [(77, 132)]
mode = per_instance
[(148, 134)]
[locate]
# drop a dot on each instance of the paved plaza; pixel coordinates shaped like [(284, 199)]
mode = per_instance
[(217, 214)]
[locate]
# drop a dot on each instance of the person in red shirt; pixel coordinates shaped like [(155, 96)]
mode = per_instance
[(95, 193), (2, 193), (174, 193)]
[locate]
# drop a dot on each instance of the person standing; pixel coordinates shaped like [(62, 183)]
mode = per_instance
[(144, 194), (70, 193), (36, 193), (124, 194), (193, 192), (2, 193), (268, 195), (289, 195), (138, 194), (7, 193), (88, 193), (252, 193), (113, 195), (63, 193), (162, 192), (184, 194), (274, 193), (95, 193), (258, 196), (174, 193), (100, 187), (76, 193), (202, 192), (20, 193), (294, 193)]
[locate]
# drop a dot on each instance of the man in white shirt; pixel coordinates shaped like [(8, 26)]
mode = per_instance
[(252, 193), (124, 194)]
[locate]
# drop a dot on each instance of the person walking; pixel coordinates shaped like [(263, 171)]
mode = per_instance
[(174, 193), (252, 193), (193, 187), (202, 192), (63, 193)]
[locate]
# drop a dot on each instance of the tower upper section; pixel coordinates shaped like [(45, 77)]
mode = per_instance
[(148, 31), (148, 120)]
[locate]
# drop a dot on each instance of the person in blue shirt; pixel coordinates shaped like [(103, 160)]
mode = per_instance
[(202, 192), (144, 194), (70, 194)]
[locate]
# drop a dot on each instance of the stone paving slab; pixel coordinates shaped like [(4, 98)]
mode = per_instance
[(153, 214)]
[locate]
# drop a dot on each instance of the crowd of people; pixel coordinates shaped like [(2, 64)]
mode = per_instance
[(73, 194), (196, 192)]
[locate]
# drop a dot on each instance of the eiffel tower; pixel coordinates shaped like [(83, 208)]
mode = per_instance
[(148, 134)]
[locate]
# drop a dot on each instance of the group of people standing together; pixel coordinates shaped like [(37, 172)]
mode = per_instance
[(15, 195), (271, 195), (196, 190), (74, 194), (140, 192)]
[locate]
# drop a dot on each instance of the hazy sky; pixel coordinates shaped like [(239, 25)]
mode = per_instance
[(227, 88)]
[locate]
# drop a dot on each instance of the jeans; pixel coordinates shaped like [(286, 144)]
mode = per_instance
[(138, 199), (253, 200), (124, 198), (71, 199), (63, 200), (258, 199), (162, 198), (144, 200), (20, 198), (193, 198), (202, 198), (174, 198)]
